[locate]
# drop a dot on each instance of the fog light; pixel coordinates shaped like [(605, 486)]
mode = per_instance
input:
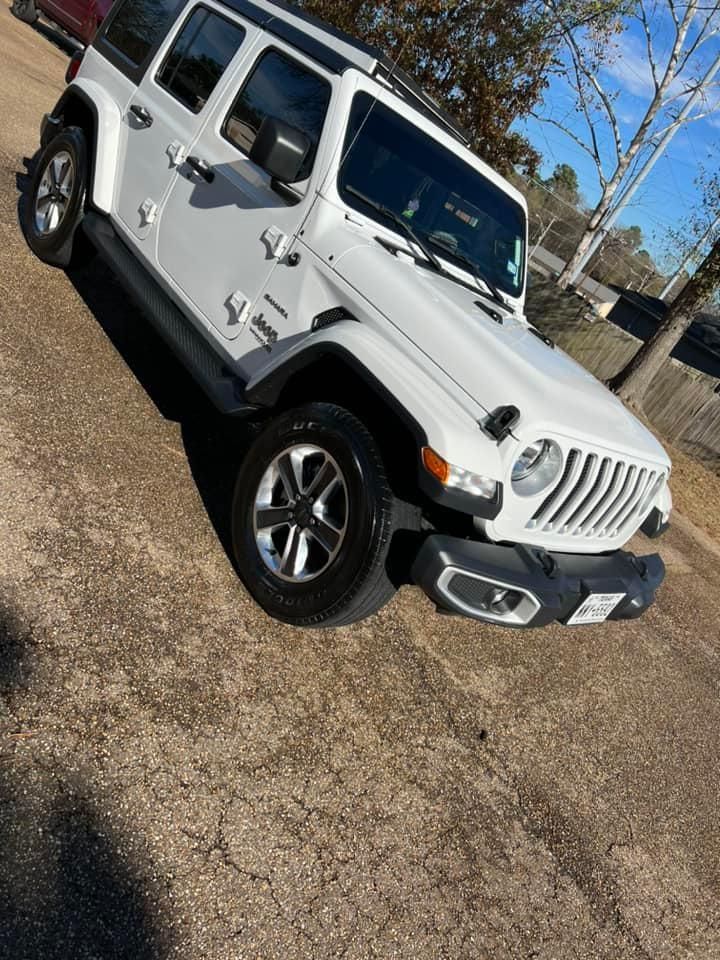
[(503, 601)]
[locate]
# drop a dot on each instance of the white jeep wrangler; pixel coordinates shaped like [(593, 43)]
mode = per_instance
[(311, 235)]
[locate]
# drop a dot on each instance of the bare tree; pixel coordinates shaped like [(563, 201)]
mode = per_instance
[(686, 243), (674, 76)]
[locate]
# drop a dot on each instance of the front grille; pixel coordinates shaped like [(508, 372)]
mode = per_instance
[(597, 496)]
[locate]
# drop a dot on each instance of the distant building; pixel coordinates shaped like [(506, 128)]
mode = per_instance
[(640, 315)]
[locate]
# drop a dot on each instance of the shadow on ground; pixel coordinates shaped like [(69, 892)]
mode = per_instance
[(214, 445), (65, 889)]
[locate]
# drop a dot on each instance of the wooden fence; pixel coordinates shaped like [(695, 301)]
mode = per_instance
[(682, 403)]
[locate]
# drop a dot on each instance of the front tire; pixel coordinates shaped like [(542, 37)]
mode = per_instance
[(24, 10), (56, 200), (312, 519)]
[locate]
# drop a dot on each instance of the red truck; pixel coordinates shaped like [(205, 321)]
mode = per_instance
[(79, 18)]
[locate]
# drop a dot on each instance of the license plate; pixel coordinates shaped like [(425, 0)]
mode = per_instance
[(596, 608)]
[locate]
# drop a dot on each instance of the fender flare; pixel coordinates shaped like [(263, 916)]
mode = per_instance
[(415, 398), (104, 152)]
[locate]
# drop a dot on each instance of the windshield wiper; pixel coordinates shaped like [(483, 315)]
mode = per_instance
[(480, 278), (402, 223), (474, 270)]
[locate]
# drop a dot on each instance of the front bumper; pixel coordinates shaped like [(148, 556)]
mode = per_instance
[(466, 577)]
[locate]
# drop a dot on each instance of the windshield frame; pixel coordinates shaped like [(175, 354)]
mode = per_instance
[(461, 155)]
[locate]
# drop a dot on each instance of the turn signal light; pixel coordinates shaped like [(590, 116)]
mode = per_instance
[(435, 465)]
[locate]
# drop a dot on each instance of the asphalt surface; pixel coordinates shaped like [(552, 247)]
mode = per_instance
[(180, 776)]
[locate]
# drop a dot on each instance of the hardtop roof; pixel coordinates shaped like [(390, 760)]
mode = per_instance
[(339, 51)]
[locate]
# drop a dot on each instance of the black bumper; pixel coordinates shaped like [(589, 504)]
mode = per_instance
[(458, 575)]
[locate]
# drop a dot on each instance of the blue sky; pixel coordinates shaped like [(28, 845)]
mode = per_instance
[(668, 196)]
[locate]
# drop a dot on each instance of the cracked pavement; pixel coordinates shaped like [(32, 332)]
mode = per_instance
[(181, 777)]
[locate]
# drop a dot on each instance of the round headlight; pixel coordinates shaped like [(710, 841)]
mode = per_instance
[(536, 468)]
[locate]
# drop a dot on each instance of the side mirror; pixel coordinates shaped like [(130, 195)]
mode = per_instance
[(280, 150)]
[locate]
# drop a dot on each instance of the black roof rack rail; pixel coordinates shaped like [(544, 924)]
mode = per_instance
[(326, 27), (411, 90), (385, 69)]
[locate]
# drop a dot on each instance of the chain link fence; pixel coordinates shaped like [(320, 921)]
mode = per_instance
[(556, 226)]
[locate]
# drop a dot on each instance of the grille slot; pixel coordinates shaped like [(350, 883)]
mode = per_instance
[(596, 496), (567, 472)]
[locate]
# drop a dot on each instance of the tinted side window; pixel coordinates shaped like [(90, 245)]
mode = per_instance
[(199, 56), (281, 88), (138, 26)]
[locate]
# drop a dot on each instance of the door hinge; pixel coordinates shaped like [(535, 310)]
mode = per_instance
[(276, 240), (148, 209), (177, 153), (239, 306)]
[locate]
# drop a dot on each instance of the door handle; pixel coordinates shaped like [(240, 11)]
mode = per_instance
[(202, 168), (142, 114)]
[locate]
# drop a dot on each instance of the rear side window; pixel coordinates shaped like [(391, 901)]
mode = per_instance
[(137, 26), (282, 88), (203, 49)]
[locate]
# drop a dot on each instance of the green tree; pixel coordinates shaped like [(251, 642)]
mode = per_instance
[(487, 63), (633, 237), (563, 181)]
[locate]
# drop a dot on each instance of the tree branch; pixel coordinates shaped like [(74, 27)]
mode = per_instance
[(573, 136), (642, 17)]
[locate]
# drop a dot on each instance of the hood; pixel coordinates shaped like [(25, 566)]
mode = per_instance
[(495, 364)]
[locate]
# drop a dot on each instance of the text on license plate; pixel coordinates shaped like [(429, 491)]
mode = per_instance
[(596, 608)]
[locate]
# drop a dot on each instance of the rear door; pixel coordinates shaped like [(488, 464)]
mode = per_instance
[(219, 241), (170, 106)]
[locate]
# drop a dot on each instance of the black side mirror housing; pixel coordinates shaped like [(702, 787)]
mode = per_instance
[(280, 150)]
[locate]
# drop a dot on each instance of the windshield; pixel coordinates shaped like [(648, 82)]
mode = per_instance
[(448, 203)]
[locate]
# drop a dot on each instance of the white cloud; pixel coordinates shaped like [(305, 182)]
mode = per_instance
[(630, 67)]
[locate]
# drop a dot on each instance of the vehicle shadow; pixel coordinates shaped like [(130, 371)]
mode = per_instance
[(214, 445), (65, 888)]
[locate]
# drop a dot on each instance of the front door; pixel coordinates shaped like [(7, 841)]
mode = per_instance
[(220, 236), (168, 109)]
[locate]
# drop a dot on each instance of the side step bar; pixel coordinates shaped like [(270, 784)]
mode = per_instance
[(225, 390)]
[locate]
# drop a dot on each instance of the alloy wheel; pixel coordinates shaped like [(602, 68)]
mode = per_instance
[(53, 193), (301, 513)]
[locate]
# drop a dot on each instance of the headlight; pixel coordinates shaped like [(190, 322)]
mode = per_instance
[(536, 468), (458, 478)]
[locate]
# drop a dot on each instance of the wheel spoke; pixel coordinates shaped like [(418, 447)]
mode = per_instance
[(43, 201), (52, 170), (54, 215), (326, 536), (48, 217), (322, 480), (289, 560), (272, 517), (286, 468), (65, 178)]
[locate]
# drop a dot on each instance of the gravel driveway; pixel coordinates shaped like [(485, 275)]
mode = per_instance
[(182, 777)]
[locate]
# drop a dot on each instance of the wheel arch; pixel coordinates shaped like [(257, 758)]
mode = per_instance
[(401, 405), (86, 105), (328, 371)]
